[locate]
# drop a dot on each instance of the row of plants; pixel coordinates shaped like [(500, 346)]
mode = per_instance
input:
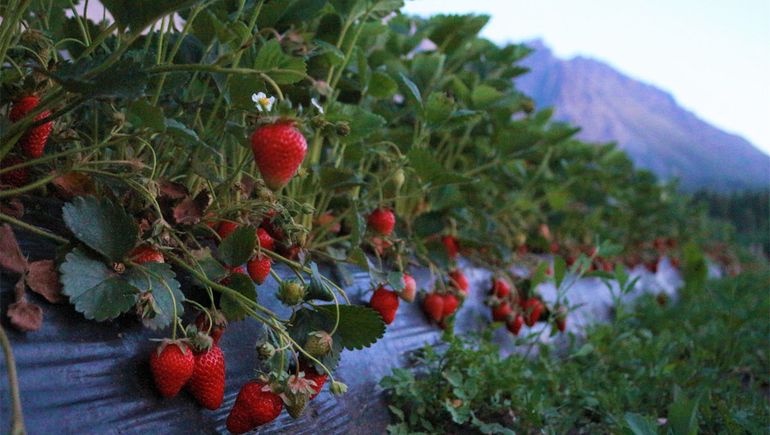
[(698, 364), (217, 139)]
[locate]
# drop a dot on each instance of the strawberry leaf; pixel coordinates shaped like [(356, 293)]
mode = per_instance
[(318, 288), (160, 281), (229, 304), (238, 247), (102, 225), (136, 15), (359, 326), (281, 67), (96, 291)]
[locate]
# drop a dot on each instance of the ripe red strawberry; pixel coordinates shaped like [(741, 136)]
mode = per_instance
[(451, 245), (533, 308), (254, 406), (410, 288), (500, 287), (216, 331), (385, 302), (278, 152), (652, 266), (259, 268), (146, 254), (433, 305), (500, 313), (266, 241), (226, 228), (522, 250), (16, 177), (675, 262), (382, 221), (514, 325), (312, 375), (328, 220), (554, 248), (172, 365), (207, 383), (458, 279), (34, 140), (450, 305)]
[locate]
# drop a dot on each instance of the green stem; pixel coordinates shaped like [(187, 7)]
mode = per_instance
[(17, 427), (32, 228)]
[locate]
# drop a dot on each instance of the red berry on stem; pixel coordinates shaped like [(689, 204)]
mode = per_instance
[(172, 365), (207, 383), (382, 221), (278, 152), (385, 302), (259, 268), (433, 305)]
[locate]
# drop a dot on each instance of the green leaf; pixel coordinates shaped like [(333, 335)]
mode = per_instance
[(438, 109), (238, 247), (318, 288), (640, 425), (484, 95), (683, 414), (96, 291), (396, 280), (125, 78), (381, 85), (229, 304), (359, 326), (540, 274), (160, 280), (362, 122), (138, 14), (339, 178), (102, 225), (430, 172), (559, 269), (414, 92), (142, 114), (428, 224), (282, 68)]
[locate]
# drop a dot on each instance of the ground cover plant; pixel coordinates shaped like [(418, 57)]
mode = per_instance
[(216, 140)]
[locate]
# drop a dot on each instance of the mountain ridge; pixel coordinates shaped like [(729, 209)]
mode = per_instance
[(645, 121)]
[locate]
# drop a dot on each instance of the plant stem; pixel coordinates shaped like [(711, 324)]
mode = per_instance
[(32, 228), (17, 427)]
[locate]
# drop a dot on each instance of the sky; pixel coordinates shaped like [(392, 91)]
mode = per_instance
[(713, 56)]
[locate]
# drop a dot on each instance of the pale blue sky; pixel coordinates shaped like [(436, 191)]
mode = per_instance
[(712, 55)]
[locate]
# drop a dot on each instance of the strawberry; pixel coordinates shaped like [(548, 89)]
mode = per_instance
[(172, 365), (216, 331), (381, 245), (458, 279), (226, 228), (255, 405), (278, 152), (207, 383), (319, 343), (16, 177), (291, 292), (259, 268), (233, 270), (266, 241), (675, 262), (146, 254), (451, 245), (34, 140), (522, 250), (533, 308), (514, 325), (450, 305), (652, 266), (328, 220), (410, 288), (500, 313), (385, 302), (312, 375), (433, 305), (500, 287), (554, 248), (382, 221)]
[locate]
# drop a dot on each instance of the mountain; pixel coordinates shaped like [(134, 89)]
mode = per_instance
[(645, 121)]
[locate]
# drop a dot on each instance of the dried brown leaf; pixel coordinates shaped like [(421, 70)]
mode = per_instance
[(25, 316), (10, 255), (73, 184), (43, 279), (14, 208), (172, 190)]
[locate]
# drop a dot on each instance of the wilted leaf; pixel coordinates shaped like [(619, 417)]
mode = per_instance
[(10, 254), (25, 316), (73, 184), (43, 279), (172, 190)]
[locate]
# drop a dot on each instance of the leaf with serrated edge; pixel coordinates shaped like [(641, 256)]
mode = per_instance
[(159, 279), (359, 326), (96, 291), (229, 304), (238, 247), (102, 225)]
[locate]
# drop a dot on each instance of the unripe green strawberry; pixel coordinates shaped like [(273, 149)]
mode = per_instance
[(291, 292), (207, 383), (318, 343), (297, 394), (278, 152), (34, 140), (382, 221), (172, 365), (259, 268), (255, 405), (338, 388), (385, 302), (265, 351), (16, 177)]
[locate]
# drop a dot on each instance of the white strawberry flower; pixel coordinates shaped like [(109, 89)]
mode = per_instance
[(263, 102), (315, 104)]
